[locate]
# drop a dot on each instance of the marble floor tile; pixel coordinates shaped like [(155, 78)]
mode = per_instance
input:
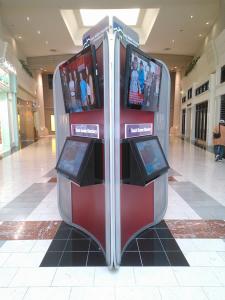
[(197, 228), (134, 293), (204, 259), (24, 260), (28, 230), (182, 293), (215, 293), (94, 293), (3, 258), (198, 166), (48, 293), (66, 276), (17, 246), (41, 246), (220, 274), (122, 277), (12, 293), (196, 276), (153, 276), (32, 277), (6, 276)]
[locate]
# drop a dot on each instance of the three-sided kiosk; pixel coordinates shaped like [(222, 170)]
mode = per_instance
[(112, 109)]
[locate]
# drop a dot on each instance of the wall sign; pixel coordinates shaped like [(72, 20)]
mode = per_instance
[(4, 78), (135, 130), (85, 130)]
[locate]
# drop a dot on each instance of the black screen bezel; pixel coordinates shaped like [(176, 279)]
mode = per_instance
[(91, 49), (129, 50), (77, 179), (147, 178)]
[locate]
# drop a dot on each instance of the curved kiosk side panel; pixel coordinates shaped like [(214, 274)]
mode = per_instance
[(139, 204), (82, 144)]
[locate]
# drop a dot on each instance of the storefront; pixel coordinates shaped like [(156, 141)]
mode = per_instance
[(8, 110), (25, 122)]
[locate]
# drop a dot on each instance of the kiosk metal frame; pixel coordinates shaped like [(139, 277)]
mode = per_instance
[(112, 35)]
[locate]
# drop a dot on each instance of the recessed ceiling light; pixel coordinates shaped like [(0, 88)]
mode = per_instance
[(46, 42), (200, 35), (28, 19), (38, 32), (175, 67), (20, 37), (191, 17), (91, 17), (207, 23), (173, 41)]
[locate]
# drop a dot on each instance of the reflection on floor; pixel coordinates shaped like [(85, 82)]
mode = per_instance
[(32, 234)]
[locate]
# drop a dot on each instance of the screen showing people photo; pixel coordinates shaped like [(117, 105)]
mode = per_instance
[(72, 157), (78, 82), (144, 82), (152, 156)]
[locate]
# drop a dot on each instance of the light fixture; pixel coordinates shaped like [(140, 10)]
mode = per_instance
[(91, 17), (173, 41), (175, 67), (28, 19), (200, 35), (46, 42), (20, 37), (38, 32), (207, 23), (191, 17)]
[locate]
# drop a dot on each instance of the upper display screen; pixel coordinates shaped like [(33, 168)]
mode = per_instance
[(152, 156), (72, 157), (80, 82), (143, 79)]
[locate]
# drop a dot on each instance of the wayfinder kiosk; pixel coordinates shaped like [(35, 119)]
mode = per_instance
[(111, 109)]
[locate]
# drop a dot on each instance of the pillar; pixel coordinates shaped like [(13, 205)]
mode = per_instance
[(40, 119), (175, 129)]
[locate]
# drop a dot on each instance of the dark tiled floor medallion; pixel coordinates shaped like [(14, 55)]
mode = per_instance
[(71, 247), (153, 247)]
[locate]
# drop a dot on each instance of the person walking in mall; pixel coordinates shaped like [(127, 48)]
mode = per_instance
[(219, 140)]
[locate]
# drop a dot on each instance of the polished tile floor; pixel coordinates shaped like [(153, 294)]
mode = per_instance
[(31, 231)]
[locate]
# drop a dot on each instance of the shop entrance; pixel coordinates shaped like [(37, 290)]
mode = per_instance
[(222, 108), (201, 123), (25, 122), (188, 124)]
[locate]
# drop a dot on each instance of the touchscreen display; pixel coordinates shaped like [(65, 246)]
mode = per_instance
[(72, 157), (78, 80), (144, 82), (152, 156)]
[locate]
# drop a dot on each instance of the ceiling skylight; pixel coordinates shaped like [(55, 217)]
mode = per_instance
[(91, 17)]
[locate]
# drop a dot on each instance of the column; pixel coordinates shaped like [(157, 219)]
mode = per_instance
[(42, 130), (175, 129)]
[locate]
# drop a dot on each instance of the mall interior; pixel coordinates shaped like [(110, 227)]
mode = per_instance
[(120, 225)]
